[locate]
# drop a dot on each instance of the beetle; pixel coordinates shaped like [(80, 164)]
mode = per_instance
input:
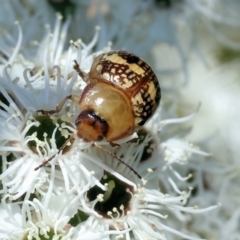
[(121, 95)]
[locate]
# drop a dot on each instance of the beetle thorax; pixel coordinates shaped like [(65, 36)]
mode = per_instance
[(110, 104)]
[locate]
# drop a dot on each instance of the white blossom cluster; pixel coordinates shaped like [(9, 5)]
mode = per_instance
[(84, 192)]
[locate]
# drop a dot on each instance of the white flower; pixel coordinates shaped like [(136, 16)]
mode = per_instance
[(49, 52), (11, 222), (141, 211), (25, 133), (33, 138), (33, 219)]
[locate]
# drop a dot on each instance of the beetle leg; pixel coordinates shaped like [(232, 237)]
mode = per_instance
[(59, 107), (81, 73)]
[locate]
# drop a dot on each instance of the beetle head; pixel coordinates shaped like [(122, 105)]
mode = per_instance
[(90, 127)]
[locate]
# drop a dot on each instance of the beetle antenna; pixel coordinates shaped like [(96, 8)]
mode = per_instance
[(70, 139), (119, 159)]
